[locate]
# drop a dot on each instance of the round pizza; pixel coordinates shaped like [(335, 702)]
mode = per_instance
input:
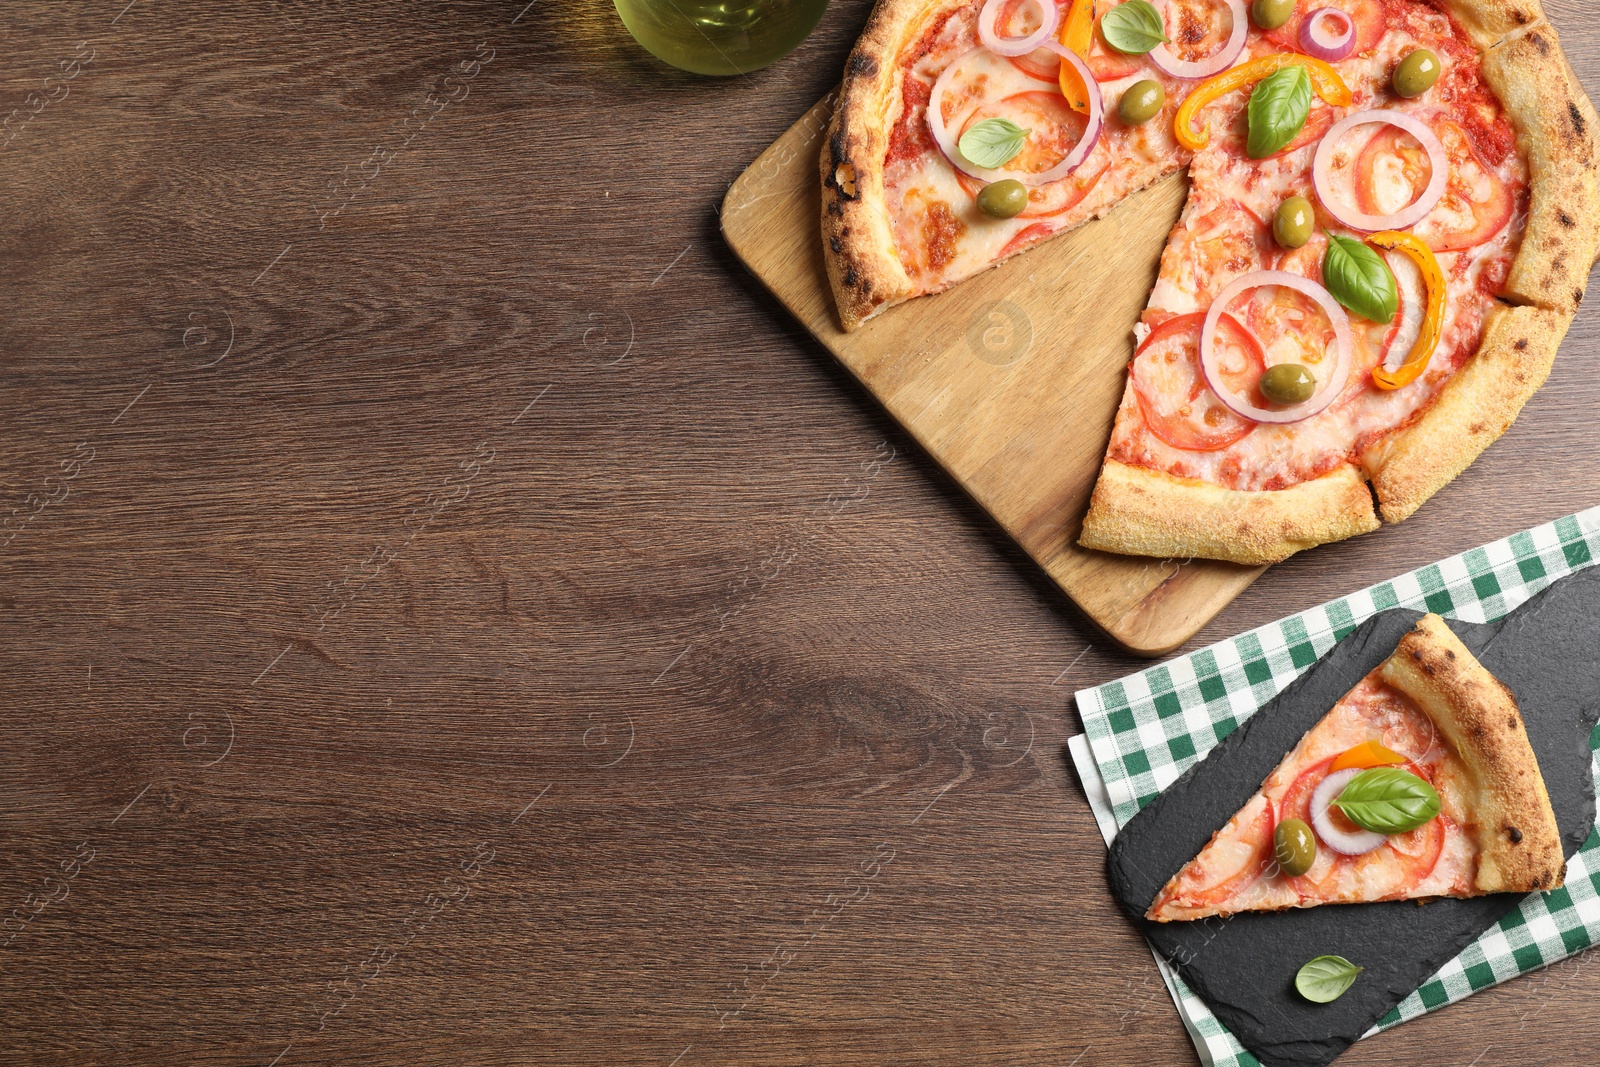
[(1391, 217)]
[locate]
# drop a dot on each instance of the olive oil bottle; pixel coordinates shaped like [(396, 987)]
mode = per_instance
[(722, 37)]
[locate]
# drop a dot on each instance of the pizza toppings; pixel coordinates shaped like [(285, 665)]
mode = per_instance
[(1293, 222), (1277, 112), (1133, 28), (1432, 324), (1270, 14), (1294, 846), (1328, 157), (1141, 102), (1416, 73), (1172, 393), (1366, 754), (1171, 64), (1328, 33), (991, 143), (1340, 834), (1215, 365), (1360, 279), (1325, 80), (1077, 31), (1025, 43), (938, 120), (1004, 199), (1387, 800)]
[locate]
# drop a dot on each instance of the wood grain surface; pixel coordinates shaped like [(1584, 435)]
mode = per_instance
[(1010, 387), (454, 615)]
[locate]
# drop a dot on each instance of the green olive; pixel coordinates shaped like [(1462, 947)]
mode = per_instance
[(1003, 199), (1293, 223), (1270, 14), (1141, 102), (1295, 847), (1416, 73), (1288, 383)]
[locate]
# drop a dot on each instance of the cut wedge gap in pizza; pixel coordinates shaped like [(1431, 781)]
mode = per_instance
[(1419, 783), (1444, 234)]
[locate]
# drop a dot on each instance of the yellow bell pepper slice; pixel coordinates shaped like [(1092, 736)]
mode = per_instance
[(1366, 754), (1076, 31), (1325, 81), (1416, 250)]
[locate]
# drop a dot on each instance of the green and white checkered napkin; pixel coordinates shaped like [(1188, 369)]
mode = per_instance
[(1145, 730)]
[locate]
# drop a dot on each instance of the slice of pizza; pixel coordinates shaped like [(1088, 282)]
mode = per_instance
[(1419, 783), (1392, 212)]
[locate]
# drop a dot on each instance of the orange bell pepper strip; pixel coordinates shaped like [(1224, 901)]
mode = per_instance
[(1077, 29), (1416, 250), (1325, 81), (1366, 754)]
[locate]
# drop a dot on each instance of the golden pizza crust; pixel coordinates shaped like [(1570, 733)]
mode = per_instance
[(1488, 22), (1556, 131), (858, 246), (1143, 512), (1519, 845), (1472, 409)]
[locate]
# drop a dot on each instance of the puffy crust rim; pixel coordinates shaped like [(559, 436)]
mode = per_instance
[(1472, 410), (1519, 844), (1554, 122), (1144, 512), (864, 268)]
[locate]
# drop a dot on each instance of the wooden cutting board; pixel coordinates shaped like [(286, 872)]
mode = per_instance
[(1010, 380)]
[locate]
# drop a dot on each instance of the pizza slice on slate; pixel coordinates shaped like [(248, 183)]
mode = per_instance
[(1419, 783), (1392, 213)]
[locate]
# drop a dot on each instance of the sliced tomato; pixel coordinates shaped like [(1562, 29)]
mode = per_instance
[(1106, 65), (1476, 206), (1109, 65), (1211, 250), (1367, 15), (1390, 871), (1172, 394), (1418, 853), (1238, 857), (1292, 328), (1055, 129), (1318, 123), (1392, 170), (1025, 237)]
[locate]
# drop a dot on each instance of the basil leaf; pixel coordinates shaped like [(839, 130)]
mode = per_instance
[(1387, 800), (992, 142), (1326, 978), (1360, 279), (1133, 28), (1277, 111)]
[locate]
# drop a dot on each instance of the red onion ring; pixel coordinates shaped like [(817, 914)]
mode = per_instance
[(1329, 389), (1346, 842), (1222, 59), (1406, 217), (1319, 40), (1050, 18), (1069, 162)]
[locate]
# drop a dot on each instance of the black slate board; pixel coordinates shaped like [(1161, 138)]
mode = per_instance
[(1547, 651)]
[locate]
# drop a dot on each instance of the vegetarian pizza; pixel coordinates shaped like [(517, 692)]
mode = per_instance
[(1419, 783), (1391, 217)]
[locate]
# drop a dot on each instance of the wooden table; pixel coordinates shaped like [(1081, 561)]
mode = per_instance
[(454, 616)]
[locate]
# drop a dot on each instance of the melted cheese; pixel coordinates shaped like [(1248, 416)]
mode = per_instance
[(1372, 711), (942, 237)]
